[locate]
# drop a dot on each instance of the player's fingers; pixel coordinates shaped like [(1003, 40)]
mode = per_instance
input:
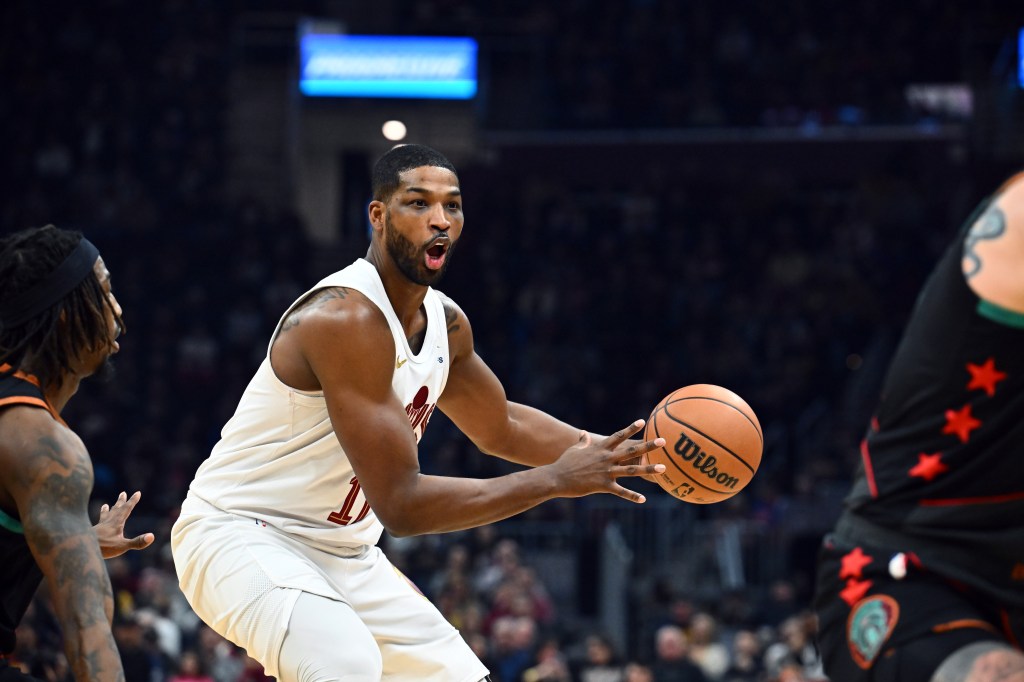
[(619, 437), (141, 541), (122, 497), (638, 470), (636, 449), (625, 494), (104, 509), (133, 500)]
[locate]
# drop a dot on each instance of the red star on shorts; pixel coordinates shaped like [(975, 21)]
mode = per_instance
[(854, 563), (985, 376), (855, 591), (929, 466), (961, 422)]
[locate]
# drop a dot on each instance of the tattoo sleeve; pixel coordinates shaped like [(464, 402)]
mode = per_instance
[(59, 533), (990, 225)]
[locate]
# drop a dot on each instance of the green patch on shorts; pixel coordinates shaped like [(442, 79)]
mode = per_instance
[(871, 621)]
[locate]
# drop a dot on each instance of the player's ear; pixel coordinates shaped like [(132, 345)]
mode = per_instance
[(375, 212)]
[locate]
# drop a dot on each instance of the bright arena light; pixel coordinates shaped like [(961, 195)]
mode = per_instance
[(393, 130)]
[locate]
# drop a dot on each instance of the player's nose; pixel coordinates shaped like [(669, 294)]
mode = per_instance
[(439, 218)]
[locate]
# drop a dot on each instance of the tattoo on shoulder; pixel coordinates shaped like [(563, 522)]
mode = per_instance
[(58, 484), (451, 317), (990, 225), (48, 451), (315, 300)]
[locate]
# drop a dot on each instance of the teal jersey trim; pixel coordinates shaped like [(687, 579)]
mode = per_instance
[(1010, 318), (10, 523)]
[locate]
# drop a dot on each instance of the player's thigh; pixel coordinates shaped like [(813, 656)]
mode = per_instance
[(988, 661), (243, 579), (346, 653), (874, 627), (415, 640)]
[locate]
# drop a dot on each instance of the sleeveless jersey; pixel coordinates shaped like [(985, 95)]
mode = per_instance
[(279, 460), (19, 574), (942, 471)]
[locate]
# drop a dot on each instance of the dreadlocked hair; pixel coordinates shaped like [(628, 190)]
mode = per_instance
[(53, 343)]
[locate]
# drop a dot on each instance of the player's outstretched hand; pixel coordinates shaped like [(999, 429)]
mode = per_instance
[(110, 529), (594, 465)]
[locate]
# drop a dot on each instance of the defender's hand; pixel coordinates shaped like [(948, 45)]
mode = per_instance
[(110, 528)]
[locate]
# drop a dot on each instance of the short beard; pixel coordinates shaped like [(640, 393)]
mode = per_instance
[(409, 258)]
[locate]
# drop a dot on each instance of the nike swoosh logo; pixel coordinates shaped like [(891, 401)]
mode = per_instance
[(399, 363)]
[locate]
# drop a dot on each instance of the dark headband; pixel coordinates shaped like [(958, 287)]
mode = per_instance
[(55, 286)]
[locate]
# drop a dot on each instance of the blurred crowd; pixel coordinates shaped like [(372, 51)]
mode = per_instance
[(669, 64), (486, 588), (589, 301)]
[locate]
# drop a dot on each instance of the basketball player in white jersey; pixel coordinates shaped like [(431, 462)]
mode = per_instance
[(275, 547)]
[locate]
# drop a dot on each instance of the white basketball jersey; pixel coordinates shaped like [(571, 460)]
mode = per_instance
[(279, 460)]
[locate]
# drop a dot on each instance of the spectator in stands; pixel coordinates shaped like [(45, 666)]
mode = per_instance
[(190, 669), (635, 672), (600, 661), (550, 664), (747, 658), (514, 638), (706, 650), (797, 646), (673, 657)]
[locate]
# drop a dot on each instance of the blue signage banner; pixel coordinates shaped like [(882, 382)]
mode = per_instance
[(387, 66), (1020, 58)]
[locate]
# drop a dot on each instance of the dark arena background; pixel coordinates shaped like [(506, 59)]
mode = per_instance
[(658, 193)]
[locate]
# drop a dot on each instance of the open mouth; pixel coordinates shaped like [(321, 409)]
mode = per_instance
[(436, 254)]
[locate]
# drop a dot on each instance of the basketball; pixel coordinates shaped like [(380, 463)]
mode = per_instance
[(713, 443)]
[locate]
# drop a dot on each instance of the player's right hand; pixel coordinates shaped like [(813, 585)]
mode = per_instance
[(110, 528), (594, 465)]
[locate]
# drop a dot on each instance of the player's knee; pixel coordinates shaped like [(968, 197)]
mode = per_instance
[(986, 661)]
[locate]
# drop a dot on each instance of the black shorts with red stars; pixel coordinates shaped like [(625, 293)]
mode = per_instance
[(883, 617)]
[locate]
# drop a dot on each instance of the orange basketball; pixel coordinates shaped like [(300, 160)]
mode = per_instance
[(713, 443)]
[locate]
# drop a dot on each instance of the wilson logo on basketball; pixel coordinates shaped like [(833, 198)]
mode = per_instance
[(703, 462), (712, 440)]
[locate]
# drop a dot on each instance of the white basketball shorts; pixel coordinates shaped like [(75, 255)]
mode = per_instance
[(243, 578)]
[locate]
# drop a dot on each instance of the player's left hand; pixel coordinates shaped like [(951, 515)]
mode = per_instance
[(110, 528)]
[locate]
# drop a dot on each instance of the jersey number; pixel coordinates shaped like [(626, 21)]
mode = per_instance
[(343, 517)]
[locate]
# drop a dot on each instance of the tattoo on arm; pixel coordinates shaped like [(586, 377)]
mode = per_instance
[(59, 533), (451, 316), (991, 225), (315, 300)]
